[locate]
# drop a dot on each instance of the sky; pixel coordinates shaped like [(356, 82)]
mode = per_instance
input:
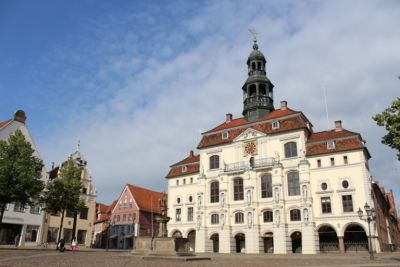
[(137, 82)]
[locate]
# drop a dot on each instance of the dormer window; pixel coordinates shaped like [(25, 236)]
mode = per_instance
[(225, 135), (275, 125), (184, 168), (330, 144)]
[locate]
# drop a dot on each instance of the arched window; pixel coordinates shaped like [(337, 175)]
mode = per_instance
[(293, 183), (214, 219), (290, 150), (268, 216), (266, 185), (238, 189), (214, 162), (253, 66), (295, 215), (262, 89), (259, 65), (239, 217), (214, 192), (253, 90)]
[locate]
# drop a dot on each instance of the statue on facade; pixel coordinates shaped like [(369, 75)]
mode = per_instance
[(276, 194), (305, 192)]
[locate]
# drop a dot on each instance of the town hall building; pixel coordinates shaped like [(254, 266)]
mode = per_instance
[(267, 183)]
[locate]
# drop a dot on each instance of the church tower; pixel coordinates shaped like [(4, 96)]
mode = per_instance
[(257, 90)]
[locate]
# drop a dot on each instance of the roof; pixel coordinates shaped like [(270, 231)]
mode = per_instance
[(343, 139), (288, 120), (102, 208), (111, 207), (192, 164), (147, 200), (5, 123)]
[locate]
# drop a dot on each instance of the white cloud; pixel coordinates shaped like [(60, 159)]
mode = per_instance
[(155, 115)]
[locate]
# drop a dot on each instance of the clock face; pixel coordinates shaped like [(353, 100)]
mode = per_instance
[(250, 148)]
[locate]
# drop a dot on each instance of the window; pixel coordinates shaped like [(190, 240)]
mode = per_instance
[(118, 218), (275, 125), (214, 192), (184, 181), (326, 204), (295, 215), (81, 238), (214, 219), (35, 209), (345, 184), (239, 218), (293, 184), (124, 217), (290, 150), (268, 216), (178, 215), (52, 233), (347, 203), (31, 233), (129, 217), (332, 161), (84, 190), (190, 199), (345, 160), (177, 182), (238, 189), (69, 214), (266, 185), (225, 135), (84, 214), (19, 208), (191, 180), (324, 186), (178, 200), (184, 169), (214, 162), (319, 163), (330, 144), (134, 216), (190, 214)]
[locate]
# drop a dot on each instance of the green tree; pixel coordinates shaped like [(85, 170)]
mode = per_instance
[(20, 172), (390, 119), (63, 193)]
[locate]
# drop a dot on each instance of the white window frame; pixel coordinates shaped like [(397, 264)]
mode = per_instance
[(330, 145), (275, 125), (225, 135)]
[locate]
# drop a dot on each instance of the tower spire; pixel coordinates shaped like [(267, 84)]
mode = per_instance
[(258, 89)]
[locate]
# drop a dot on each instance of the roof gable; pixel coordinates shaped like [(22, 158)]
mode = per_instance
[(5, 123), (249, 133), (146, 200)]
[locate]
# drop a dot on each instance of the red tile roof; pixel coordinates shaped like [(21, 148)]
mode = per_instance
[(147, 200), (111, 207), (190, 159), (212, 138), (192, 163), (344, 141), (5, 123)]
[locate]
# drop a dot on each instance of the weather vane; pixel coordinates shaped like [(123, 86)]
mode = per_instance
[(254, 33)]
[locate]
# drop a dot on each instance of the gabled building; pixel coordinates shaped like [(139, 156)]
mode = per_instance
[(267, 183), (85, 219), (134, 215), (26, 222), (100, 225)]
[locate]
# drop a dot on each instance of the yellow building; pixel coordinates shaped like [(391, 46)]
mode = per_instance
[(85, 219)]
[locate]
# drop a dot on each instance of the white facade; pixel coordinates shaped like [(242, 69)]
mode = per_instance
[(25, 221)]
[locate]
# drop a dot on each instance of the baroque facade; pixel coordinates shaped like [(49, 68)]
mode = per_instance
[(84, 220), (267, 183)]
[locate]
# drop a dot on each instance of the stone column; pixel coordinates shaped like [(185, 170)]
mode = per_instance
[(201, 238), (281, 240), (309, 239), (341, 244), (252, 241), (225, 241)]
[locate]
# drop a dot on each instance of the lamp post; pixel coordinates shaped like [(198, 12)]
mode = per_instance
[(370, 216)]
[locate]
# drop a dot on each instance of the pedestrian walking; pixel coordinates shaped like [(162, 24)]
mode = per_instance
[(74, 244), (61, 245), (16, 240)]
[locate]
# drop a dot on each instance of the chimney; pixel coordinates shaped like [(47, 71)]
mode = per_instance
[(191, 153), (338, 126), (228, 117), (20, 116), (283, 105)]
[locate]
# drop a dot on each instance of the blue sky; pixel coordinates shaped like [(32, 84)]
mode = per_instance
[(138, 81)]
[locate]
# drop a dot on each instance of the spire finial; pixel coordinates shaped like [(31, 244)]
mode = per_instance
[(254, 33), (78, 147)]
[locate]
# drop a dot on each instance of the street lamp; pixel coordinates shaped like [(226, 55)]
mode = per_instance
[(370, 216)]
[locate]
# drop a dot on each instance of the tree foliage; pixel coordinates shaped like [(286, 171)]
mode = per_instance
[(63, 193), (390, 119), (20, 172)]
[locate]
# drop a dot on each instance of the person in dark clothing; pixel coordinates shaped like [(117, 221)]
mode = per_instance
[(61, 245)]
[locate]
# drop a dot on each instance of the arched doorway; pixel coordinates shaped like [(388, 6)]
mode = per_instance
[(215, 242), (177, 234), (328, 240), (268, 240), (296, 242), (355, 239), (192, 240), (240, 243)]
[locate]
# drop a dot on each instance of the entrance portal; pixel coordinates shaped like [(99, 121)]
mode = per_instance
[(192, 240), (328, 240), (296, 242), (355, 239), (240, 243), (215, 242), (268, 240)]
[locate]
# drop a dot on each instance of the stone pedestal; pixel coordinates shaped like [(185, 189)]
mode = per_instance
[(309, 239), (162, 246), (282, 243)]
